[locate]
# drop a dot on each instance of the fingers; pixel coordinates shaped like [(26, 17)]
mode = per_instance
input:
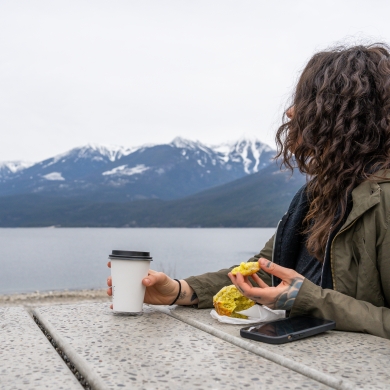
[(283, 295), (109, 283), (259, 281), (254, 293), (238, 280), (274, 269), (280, 297), (153, 278)]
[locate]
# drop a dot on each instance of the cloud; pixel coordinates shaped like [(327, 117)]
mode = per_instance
[(128, 73)]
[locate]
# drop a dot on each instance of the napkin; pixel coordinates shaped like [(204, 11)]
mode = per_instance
[(256, 314)]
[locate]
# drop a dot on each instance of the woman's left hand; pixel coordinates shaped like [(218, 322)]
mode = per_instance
[(281, 297)]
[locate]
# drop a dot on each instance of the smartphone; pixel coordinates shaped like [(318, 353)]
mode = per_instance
[(287, 329)]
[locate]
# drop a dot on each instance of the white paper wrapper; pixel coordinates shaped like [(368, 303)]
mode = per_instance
[(256, 314)]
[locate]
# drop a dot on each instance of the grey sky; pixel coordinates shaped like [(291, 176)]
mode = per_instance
[(132, 72)]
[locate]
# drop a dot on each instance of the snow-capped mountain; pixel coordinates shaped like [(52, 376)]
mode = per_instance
[(249, 152), (10, 168), (90, 152), (166, 171)]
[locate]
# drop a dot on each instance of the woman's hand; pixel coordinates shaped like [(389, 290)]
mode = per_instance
[(161, 289), (281, 297)]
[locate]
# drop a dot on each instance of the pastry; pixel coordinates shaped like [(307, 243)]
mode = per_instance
[(247, 269), (228, 301)]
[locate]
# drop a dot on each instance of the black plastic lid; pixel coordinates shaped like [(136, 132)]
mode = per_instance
[(130, 255)]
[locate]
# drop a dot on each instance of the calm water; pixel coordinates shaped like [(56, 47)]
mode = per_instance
[(46, 259)]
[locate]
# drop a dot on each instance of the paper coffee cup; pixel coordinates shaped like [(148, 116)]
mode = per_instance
[(128, 268)]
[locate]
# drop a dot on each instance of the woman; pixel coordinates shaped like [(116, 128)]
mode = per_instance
[(330, 255)]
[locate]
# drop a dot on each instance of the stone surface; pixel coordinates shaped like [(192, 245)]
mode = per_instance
[(27, 359), (359, 358), (37, 298), (156, 351)]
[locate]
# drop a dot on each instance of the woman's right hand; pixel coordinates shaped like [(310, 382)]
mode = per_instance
[(160, 288)]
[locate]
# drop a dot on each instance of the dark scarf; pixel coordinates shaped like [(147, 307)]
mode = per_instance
[(290, 244)]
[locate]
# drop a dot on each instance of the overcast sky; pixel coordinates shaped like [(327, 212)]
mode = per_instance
[(131, 72)]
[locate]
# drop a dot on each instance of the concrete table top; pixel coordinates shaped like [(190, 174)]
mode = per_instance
[(357, 358), (27, 359), (156, 351)]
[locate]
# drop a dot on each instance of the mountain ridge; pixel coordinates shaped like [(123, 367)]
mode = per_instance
[(181, 184), (256, 200), (165, 171)]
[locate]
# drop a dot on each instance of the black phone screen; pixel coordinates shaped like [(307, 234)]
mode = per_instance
[(288, 326)]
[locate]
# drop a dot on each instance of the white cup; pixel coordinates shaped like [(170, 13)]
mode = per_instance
[(128, 268)]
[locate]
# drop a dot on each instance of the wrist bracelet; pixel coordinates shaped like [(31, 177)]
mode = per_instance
[(178, 295)]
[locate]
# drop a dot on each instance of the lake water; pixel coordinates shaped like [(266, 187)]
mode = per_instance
[(44, 259)]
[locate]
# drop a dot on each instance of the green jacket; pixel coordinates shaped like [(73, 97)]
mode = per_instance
[(360, 263)]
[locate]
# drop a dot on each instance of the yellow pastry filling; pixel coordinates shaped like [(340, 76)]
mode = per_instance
[(228, 301), (247, 269)]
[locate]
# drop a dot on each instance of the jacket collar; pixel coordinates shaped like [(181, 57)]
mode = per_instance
[(365, 196)]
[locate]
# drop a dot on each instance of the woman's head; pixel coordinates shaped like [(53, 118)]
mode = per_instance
[(339, 129)]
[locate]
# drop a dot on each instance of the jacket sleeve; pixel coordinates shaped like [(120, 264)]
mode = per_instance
[(207, 285), (350, 314)]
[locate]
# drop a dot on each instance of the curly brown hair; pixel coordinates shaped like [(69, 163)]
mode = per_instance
[(339, 134)]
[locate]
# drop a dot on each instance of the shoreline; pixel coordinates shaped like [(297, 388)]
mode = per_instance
[(54, 297)]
